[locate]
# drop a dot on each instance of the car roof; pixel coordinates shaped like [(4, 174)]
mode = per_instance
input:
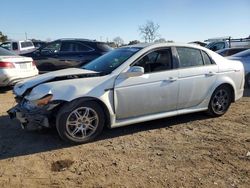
[(77, 39), (164, 44), (18, 41)]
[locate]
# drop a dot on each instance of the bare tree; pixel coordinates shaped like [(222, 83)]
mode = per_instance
[(160, 40), (118, 41), (149, 31)]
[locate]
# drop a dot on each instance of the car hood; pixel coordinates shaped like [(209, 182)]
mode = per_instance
[(65, 74)]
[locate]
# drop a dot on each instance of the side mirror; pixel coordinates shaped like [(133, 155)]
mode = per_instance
[(134, 71)]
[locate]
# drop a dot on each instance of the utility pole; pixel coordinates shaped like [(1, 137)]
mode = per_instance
[(26, 36)]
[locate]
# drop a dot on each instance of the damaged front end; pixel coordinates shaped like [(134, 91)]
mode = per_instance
[(34, 113)]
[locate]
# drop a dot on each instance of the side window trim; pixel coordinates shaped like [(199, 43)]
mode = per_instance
[(90, 48), (211, 60)]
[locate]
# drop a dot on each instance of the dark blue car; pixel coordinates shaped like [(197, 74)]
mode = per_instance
[(67, 53)]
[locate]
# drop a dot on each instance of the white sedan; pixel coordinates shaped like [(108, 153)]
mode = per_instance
[(14, 68), (129, 85)]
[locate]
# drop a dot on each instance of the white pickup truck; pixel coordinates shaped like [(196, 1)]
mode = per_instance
[(19, 47), (222, 43)]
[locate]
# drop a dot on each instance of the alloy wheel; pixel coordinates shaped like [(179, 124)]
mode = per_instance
[(221, 101), (82, 122)]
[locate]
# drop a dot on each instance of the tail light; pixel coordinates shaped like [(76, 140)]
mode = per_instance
[(34, 63), (6, 65)]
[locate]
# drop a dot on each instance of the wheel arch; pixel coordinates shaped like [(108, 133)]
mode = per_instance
[(231, 89), (230, 86), (230, 83), (98, 101)]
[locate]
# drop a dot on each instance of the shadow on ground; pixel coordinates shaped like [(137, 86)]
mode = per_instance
[(17, 142), (5, 89)]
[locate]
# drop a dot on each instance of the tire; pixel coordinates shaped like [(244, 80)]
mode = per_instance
[(247, 80), (220, 101), (80, 121)]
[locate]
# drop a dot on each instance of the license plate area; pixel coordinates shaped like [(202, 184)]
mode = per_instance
[(23, 65)]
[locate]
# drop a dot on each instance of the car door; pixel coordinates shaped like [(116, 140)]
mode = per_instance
[(47, 58), (197, 75), (154, 92), (75, 54)]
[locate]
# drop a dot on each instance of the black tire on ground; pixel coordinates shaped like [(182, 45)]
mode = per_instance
[(220, 101), (68, 114)]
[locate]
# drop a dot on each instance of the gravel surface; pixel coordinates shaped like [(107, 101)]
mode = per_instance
[(185, 151)]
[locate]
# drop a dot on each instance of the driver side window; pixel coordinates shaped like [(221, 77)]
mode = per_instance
[(156, 61)]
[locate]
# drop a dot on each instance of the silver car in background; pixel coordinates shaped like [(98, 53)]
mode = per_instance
[(14, 68), (129, 85), (244, 58)]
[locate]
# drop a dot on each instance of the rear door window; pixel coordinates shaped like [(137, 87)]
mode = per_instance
[(79, 47), (189, 57)]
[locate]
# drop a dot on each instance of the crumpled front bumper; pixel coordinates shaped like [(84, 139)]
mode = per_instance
[(35, 117)]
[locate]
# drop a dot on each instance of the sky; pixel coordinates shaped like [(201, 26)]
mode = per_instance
[(179, 20)]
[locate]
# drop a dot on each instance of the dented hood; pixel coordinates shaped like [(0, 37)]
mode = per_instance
[(71, 73)]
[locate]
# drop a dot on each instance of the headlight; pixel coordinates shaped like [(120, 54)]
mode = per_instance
[(43, 101)]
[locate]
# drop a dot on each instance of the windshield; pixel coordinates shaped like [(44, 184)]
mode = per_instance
[(210, 44), (111, 60), (4, 52), (245, 53), (6, 45)]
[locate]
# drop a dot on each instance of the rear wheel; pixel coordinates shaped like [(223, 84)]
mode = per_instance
[(220, 101), (80, 123)]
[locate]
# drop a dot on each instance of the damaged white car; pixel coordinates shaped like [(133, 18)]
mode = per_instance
[(129, 85)]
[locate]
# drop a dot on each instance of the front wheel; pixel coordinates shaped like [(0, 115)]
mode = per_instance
[(80, 123), (220, 101)]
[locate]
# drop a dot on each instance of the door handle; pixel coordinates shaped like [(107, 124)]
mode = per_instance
[(171, 79), (210, 74)]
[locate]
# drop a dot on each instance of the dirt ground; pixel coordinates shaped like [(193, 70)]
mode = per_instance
[(185, 151)]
